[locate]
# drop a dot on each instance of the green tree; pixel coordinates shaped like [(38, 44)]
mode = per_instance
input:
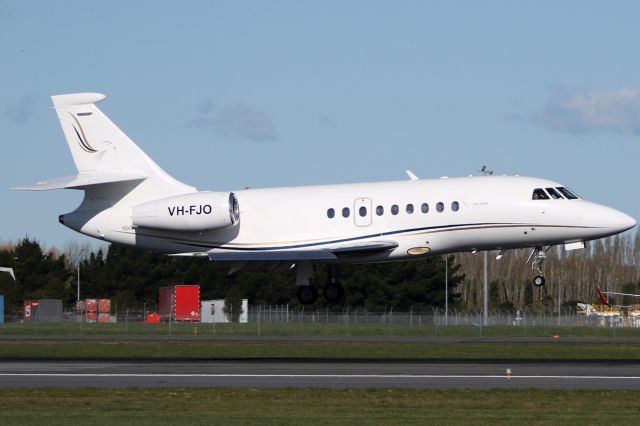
[(233, 304)]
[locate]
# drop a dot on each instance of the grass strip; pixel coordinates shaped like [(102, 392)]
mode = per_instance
[(38, 349), (314, 406), (307, 329)]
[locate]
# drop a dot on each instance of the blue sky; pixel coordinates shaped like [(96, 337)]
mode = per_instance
[(225, 95)]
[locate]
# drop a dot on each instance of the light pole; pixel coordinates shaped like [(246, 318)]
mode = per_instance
[(485, 293), (446, 290), (485, 284), (79, 255)]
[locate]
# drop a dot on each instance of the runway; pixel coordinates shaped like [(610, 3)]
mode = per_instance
[(324, 374)]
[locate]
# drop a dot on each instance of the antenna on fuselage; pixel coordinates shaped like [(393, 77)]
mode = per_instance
[(486, 172)]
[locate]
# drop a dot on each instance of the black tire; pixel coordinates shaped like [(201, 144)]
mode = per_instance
[(538, 281), (333, 292), (307, 294)]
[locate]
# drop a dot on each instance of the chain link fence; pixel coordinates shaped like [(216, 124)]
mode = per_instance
[(284, 320)]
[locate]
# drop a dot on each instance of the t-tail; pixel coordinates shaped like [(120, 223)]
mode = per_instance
[(128, 198), (602, 297), (104, 154), (114, 172)]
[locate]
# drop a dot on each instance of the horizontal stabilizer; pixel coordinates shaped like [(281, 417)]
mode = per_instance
[(272, 255), (82, 181)]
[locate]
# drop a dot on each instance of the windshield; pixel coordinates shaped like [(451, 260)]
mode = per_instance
[(568, 194), (539, 194)]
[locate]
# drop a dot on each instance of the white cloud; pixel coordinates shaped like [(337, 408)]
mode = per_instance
[(21, 110), (588, 111), (235, 122)]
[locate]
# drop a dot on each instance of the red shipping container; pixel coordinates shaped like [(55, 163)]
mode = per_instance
[(30, 309), (180, 303), (104, 318), (104, 305), (92, 305)]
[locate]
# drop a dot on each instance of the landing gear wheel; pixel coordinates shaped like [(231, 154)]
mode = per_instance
[(538, 281), (307, 294), (333, 292)]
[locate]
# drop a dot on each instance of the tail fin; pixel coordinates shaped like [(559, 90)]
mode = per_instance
[(99, 147), (602, 298)]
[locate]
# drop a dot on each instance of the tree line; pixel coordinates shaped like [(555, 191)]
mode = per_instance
[(131, 277), (612, 264)]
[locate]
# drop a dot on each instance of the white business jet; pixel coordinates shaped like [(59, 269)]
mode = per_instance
[(130, 200)]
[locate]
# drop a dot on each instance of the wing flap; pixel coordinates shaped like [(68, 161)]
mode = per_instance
[(364, 248)]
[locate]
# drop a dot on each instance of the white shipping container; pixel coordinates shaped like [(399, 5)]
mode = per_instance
[(213, 311)]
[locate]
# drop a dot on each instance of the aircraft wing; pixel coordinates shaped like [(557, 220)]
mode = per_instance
[(272, 255), (81, 181), (10, 271), (331, 253)]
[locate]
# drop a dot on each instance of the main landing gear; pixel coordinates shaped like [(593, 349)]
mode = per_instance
[(539, 255), (332, 290), (308, 293)]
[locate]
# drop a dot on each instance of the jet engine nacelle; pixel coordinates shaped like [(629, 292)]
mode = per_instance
[(199, 211)]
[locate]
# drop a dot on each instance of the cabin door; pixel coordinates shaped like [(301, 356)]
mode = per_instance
[(362, 211)]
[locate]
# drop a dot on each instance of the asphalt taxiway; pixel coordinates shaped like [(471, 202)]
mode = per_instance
[(467, 374)]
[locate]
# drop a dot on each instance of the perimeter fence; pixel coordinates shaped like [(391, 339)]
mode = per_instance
[(436, 317), (284, 320)]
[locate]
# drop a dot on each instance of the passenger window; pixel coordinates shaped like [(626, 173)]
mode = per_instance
[(394, 209), (455, 206), (331, 213), (362, 211), (539, 194), (379, 210), (554, 194), (570, 195), (440, 207), (409, 208), (424, 208), (345, 212)]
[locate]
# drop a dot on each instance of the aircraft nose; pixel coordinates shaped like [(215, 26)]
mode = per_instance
[(604, 220), (614, 220), (623, 221)]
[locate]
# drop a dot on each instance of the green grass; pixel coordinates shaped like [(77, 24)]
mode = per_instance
[(315, 406), (306, 329), (207, 349)]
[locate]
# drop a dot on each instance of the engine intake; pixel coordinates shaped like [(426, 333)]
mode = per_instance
[(199, 211)]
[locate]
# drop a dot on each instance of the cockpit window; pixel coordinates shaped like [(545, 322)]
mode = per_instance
[(568, 194), (539, 194), (554, 194)]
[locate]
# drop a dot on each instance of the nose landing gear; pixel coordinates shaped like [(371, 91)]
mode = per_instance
[(538, 281), (539, 255)]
